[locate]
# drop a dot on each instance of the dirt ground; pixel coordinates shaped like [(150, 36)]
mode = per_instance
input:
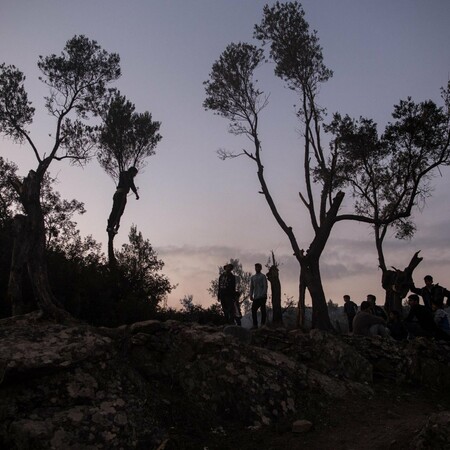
[(388, 420)]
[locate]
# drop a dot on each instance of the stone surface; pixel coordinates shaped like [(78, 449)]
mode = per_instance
[(301, 426), (151, 384)]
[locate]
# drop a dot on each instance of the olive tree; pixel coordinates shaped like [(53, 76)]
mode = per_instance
[(126, 139), (329, 167), (77, 80)]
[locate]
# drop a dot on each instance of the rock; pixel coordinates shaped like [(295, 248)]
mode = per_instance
[(435, 434), (154, 383), (242, 334), (301, 426)]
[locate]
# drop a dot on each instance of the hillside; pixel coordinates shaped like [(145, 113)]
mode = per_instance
[(168, 385)]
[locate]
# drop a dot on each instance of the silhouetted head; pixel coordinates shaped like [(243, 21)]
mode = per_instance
[(428, 280), (346, 298), (436, 304), (133, 171), (413, 299), (258, 267), (365, 305), (371, 298)]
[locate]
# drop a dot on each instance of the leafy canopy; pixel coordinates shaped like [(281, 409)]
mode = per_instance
[(126, 138)]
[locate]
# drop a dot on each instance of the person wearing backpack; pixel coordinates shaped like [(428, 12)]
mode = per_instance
[(350, 310), (431, 293)]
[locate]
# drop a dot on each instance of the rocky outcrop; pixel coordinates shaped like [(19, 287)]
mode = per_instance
[(143, 386)]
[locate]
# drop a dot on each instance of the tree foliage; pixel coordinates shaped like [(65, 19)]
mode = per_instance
[(126, 138), (387, 175), (77, 80), (139, 268), (391, 174)]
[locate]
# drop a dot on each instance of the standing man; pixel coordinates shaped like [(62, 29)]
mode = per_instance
[(258, 295), (431, 293), (350, 309), (227, 292), (126, 182)]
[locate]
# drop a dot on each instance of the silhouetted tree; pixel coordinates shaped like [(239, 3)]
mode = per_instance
[(127, 138), (232, 93), (140, 286), (391, 174), (76, 273), (77, 79)]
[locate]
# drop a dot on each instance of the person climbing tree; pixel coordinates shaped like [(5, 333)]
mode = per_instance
[(126, 139), (126, 182)]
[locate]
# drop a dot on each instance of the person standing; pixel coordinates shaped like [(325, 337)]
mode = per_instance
[(227, 292), (431, 293), (258, 295), (350, 309)]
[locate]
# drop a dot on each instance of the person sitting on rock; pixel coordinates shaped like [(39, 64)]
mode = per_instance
[(440, 317), (376, 310), (396, 326), (126, 182), (420, 321), (367, 324)]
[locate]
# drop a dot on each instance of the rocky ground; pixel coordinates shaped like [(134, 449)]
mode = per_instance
[(169, 386)]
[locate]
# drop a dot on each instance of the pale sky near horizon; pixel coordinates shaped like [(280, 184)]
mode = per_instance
[(199, 211)]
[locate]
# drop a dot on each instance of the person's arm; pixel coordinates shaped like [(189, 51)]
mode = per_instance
[(251, 288), (133, 188), (447, 296), (413, 288)]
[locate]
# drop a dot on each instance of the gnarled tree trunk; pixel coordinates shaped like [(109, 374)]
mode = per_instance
[(29, 249), (397, 283), (111, 256)]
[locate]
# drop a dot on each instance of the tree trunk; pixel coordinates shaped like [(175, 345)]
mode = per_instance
[(310, 276), (301, 302), (397, 283), (275, 287), (111, 256), (29, 245), (18, 270)]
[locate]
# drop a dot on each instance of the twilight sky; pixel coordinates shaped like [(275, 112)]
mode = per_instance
[(199, 211)]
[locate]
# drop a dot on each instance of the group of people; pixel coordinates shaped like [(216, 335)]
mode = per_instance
[(429, 319), (228, 295)]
